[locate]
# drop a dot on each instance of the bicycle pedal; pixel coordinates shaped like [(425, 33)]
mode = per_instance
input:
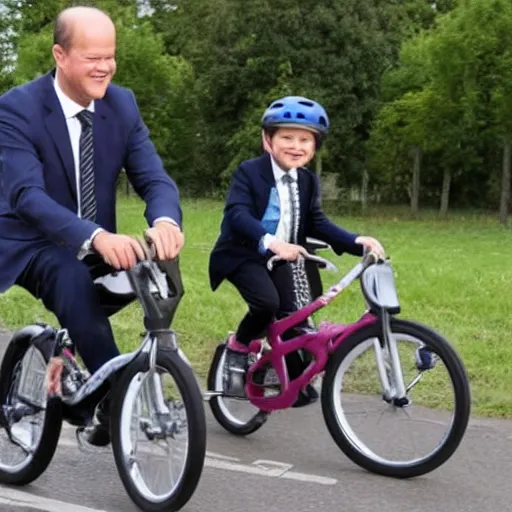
[(235, 369), (13, 414), (402, 402), (234, 382)]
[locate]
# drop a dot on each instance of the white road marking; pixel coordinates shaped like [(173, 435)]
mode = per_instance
[(220, 456), (17, 498), (267, 468), (308, 478), (279, 470), (260, 467)]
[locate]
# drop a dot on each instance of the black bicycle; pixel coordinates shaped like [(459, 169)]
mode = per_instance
[(158, 425)]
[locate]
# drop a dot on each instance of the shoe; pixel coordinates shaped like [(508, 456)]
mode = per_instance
[(312, 392), (99, 434), (235, 346), (425, 359), (306, 397)]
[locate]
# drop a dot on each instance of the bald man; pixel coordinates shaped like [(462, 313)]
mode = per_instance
[(64, 138)]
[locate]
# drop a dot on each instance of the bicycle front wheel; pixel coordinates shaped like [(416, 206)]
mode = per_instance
[(403, 439), (159, 432)]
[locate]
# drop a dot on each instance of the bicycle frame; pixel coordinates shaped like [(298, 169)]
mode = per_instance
[(321, 344), (155, 321), (48, 342)]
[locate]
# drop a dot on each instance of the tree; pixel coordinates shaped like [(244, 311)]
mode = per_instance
[(401, 130), (464, 65), (334, 52), (163, 85), (6, 50), (474, 57)]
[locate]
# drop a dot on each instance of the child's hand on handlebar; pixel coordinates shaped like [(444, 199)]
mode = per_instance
[(372, 245), (286, 251)]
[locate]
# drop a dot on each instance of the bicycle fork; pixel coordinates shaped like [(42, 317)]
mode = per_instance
[(390, 367), (161, 422)]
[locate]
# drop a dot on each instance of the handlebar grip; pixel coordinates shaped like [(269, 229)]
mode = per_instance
[(149, 247), (323, 263), (369, 258), (271, 261)]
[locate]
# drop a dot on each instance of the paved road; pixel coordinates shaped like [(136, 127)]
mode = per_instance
[(313, 475)]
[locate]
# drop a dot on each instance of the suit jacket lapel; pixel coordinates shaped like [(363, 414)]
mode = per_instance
[(266, 170), (101, 131), (58, 130), (268, 181)]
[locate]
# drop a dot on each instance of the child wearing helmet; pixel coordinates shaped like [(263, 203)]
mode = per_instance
[(273, 204)]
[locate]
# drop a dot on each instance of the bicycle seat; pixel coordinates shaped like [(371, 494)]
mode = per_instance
[(378, 286)]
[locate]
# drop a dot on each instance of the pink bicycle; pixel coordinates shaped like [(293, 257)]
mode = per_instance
[(378, 361)]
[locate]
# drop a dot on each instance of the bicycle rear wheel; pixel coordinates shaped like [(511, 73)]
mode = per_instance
[(158, 430), (33, 420), (435, 417), (236, 415)]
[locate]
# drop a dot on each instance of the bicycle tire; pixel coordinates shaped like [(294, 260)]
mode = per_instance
[(460, 384), (52, 425), (238, 429), (196, 424)]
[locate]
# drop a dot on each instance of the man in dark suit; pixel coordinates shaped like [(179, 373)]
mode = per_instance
[(64, 138), (273, 205)]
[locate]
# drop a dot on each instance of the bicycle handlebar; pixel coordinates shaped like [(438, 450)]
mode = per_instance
[(159, 308), (147, 269), (369, 258), (322, 262)]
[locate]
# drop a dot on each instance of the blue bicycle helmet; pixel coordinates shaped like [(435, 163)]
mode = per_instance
[(296, 111)]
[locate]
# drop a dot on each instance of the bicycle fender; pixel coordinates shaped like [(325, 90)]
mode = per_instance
[(42, 336)]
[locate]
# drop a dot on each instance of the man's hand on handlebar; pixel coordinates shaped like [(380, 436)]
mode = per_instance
[(167, 239), (119, 251), (372, 245), (286, 251), (123, 252)]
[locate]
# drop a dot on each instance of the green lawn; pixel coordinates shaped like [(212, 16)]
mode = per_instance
[(452, 274)]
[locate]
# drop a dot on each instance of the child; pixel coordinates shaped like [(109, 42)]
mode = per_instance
[(272, 206)]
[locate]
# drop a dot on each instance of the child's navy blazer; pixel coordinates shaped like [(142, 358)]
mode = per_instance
[(247, 201)]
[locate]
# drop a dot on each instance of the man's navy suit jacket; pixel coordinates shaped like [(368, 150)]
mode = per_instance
[(38, 197)]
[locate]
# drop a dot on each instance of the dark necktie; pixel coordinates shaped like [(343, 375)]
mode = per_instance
[(86, 163), (299, 274)]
